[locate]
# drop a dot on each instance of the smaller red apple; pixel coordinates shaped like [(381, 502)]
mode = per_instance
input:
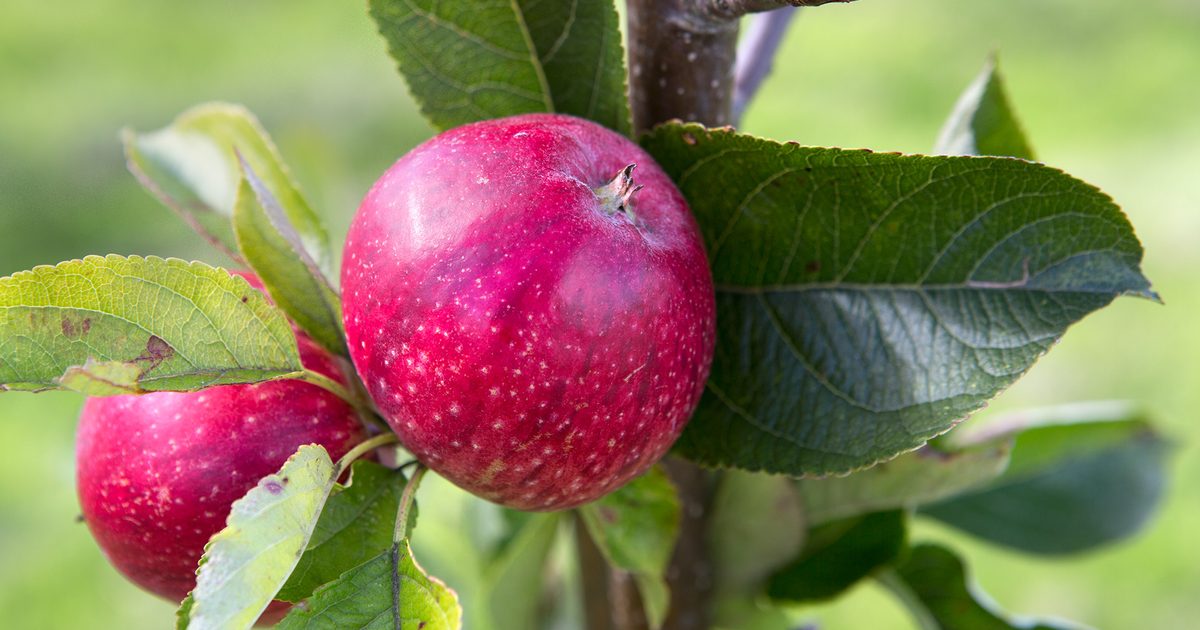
[(157, 473)]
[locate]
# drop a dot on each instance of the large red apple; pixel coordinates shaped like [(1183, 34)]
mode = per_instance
[(536, 326), (157, 473)]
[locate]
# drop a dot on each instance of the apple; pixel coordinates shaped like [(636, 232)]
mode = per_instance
[(533, 315), (157, 473)]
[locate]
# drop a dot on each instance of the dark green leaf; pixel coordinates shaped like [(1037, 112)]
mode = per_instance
[(1080, 477), (925, 475), (983, 122), (245, 564), (757, 525), (117, 325), (513, 580), (932, 582), (839, 554), (192, 166), (578, 43), (355, 526), (275, 250), (866, 302), (469, 61), (389, 591), (635, 528)]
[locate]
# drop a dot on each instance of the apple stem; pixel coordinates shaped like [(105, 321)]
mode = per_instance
[(365, 411), (363, 448), (615, 196), (324, 382), (406, 502)]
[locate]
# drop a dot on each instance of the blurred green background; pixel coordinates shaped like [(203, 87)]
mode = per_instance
[(1107, 90)]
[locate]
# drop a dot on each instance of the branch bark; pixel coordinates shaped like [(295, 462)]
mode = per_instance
[(690, 574), (681, 60), (680, 63)]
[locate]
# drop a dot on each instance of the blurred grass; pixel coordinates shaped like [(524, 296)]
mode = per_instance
[(1106, 90)]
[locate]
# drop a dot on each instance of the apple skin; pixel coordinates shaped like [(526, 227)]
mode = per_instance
[(156, 474), (523, 335)]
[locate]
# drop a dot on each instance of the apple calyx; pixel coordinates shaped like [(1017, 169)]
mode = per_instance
[(615, 195)]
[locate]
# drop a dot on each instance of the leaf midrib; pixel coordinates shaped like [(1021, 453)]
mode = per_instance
[(734, 289)]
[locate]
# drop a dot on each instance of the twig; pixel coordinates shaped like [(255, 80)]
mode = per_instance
[(733, 9), (756, 55)]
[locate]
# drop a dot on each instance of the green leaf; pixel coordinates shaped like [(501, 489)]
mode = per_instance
[(932, 582), (192, 167), (635, 528), (102, 378), (867, 302), (513, 580), (275, 250), (983, 121), (923, 476), (389, 591), (217, 167), (1081, 477), (245, 564), (129, 324), (355, 526), (757, 525), (838, 555), (183, 616), (470, 61)]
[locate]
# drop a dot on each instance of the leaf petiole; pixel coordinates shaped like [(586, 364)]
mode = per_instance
[(406, 502)]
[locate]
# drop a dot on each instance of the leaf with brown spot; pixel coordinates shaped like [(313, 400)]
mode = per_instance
[(116, 325), (245, 564)]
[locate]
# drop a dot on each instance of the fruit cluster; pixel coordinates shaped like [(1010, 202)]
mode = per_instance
[(532, 315)]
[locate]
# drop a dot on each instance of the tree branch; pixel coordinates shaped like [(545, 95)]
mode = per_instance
[(680, 63), (594, 578), (733, 9), (681, 59), (611, 599), (690, 574), (756, 55)]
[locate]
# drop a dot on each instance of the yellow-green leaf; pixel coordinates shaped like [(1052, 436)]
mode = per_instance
[(245, 564), (120, 324)]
